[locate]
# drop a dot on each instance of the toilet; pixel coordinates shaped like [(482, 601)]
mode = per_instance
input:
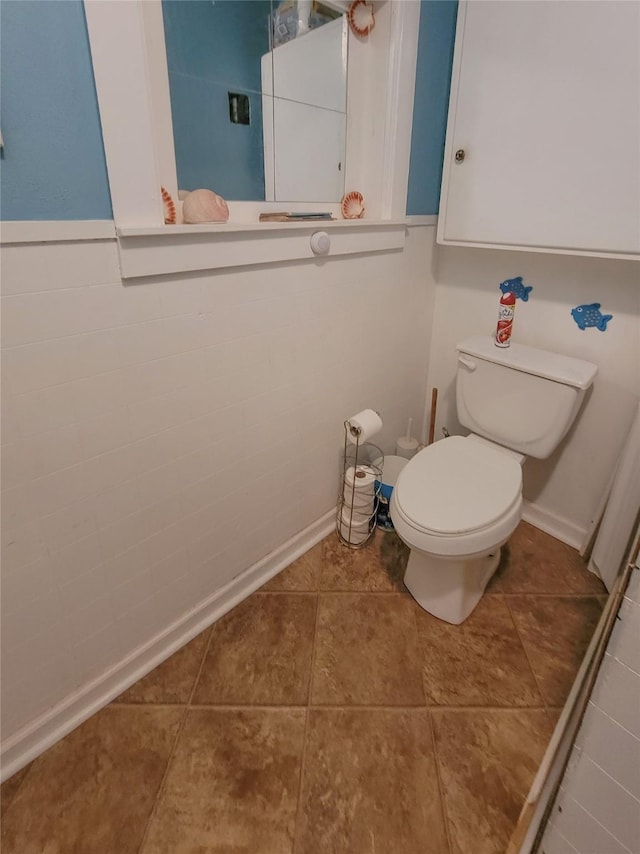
[(459, 500)]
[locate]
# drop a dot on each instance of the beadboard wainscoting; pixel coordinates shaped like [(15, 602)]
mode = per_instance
[(162, 438)]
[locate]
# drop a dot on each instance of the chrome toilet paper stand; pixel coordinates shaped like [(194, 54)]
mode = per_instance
[(357, 454)]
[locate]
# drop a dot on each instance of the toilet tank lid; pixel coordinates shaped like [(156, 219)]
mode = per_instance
[(542, 363)]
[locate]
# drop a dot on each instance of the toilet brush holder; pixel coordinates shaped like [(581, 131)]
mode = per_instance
[(407, 446)]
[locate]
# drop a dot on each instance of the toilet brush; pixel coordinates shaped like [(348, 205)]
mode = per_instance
[(406, 446)]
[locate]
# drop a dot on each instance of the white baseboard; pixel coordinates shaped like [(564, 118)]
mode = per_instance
[(563, 530), (48, 728)]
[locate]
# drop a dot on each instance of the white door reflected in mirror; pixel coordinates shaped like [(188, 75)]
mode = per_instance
[(258, 97), (305, 126)]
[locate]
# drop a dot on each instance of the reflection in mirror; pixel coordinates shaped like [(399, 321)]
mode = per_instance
[(258, 97), (305, 134)]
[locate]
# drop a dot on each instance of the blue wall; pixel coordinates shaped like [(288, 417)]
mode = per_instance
[(431, 103), (53, 163), (213, 49)]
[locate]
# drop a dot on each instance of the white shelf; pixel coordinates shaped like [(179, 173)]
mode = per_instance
[(167, 249), (228, 227)]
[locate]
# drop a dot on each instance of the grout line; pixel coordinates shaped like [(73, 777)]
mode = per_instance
[(362, 592), (142, 704), (436, 762), (539, 708), (414, 613), (531, 594), (307, 713), (365, 708), (174, 747), (262, 592), (526, 655)]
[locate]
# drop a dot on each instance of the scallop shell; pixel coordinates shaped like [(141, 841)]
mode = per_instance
[(204, 206), (361, 17), (169, 207), (352, 205)]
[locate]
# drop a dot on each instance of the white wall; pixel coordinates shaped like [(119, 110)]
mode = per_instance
[(566, 489), (161, 437)]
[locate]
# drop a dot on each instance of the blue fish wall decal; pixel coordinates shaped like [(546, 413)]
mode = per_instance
[(516, 287), (590, 315)]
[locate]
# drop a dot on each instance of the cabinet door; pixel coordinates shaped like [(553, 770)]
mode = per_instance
[(545, 105)]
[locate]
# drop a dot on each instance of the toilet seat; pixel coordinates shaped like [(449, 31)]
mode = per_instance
[(458, 498)]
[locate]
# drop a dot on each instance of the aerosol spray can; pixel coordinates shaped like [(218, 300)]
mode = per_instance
[(505, 319)]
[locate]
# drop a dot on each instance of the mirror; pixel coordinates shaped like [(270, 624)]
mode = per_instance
[(258, 97)]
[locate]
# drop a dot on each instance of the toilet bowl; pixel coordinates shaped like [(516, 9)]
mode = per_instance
[(458, 501), (455, 504)]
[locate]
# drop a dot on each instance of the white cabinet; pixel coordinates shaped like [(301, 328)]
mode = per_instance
[(543, 137)]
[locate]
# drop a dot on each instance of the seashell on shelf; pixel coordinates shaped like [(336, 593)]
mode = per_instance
[(169, 207), (204, 206), (361, 17), (352, 205)]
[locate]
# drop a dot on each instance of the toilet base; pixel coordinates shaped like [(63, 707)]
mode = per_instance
[(449, 589)]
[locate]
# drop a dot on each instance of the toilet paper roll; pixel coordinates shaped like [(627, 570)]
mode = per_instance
[(364, 425), (406, 448), (358, 500), (358, 516), (360, 478), (355, 536), (354, 533)]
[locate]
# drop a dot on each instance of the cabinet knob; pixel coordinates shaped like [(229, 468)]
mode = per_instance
[(460, 155)]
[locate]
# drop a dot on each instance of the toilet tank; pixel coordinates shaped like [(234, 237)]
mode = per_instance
[(519, 397)]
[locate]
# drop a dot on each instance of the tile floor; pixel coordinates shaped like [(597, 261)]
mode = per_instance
[(326, 713)]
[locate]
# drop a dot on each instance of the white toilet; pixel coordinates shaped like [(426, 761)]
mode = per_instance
[(457, 501)]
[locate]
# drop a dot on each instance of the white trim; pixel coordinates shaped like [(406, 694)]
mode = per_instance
[(124, 89), (422, 219), (33, 739), (401, 79), (558, 527), (175, 249), (56, 231), (547, 250), (222, 228)]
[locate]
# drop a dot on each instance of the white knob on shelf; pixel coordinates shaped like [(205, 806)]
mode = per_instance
[(320, 243)]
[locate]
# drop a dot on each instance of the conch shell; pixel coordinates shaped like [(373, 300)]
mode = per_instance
[(361, 17), (352, 205), (169, 207), (204, 206)]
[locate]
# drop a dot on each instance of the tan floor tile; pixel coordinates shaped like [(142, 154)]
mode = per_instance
[(93, 792), (370, 784), (478, 663), (553, 713), (366, 651), (301, 576), (555, 632), (171, 681), (378, 566), (260, 652), (487, 759), (534, 562), (232, 785), (9, 788)]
